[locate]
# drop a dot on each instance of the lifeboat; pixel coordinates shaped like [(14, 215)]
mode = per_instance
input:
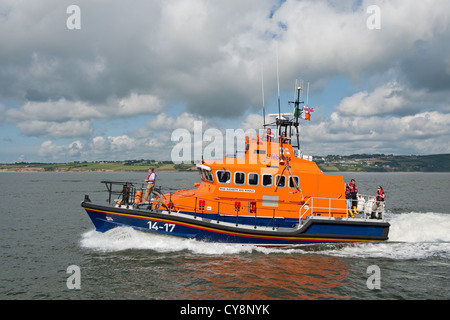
[(270, 195)]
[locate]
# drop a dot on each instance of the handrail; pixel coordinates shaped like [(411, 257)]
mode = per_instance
[(365, 204), (309, 206), (312, 206)]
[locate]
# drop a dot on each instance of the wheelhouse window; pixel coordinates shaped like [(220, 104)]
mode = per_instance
[(293, 182), (267, 180), (280, 181), (200, 172), (208, 176), (205, 175), (239, 178), (223, 177), (253, 179)]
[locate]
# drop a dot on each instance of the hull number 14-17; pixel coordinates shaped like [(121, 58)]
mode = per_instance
[(167, 227)]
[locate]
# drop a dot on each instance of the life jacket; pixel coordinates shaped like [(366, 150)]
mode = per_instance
[(352, 189), (348, 194), (379, 195)]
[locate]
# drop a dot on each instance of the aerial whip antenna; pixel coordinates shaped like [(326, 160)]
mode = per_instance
[(262, 89), (307, 95), (278, 84)]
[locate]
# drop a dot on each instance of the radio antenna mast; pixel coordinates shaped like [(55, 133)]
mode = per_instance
[(278, 83), (307, 95), (262, 89)]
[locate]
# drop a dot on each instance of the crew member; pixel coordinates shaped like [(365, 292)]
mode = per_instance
[(377, 207), (151, 180), (348, 197), (353, 194), (284, 138), (268, 135)]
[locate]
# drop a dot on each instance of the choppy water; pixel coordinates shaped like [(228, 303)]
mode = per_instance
[(44, 231)]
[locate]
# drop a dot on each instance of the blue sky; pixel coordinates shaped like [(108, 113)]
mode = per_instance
[(137, 71)]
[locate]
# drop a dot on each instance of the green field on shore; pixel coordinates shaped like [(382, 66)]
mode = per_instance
[(331, 163)]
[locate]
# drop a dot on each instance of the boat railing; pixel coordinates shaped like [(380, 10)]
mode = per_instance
[(313, 206), (318, 206), (123, 190), (128, 193), (330, 207)]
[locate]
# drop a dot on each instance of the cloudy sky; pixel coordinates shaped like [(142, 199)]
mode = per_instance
[(137, 70)]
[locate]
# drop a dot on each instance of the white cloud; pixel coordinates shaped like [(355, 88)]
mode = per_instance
[(390, 98), (194, 47), (183, 121), (137, 104), (115, 148), (122, 143), (61, 110), (50, 150), (148, 58), (150, 142), (66, 129), (375, 134), (252, 121), (63, 118)]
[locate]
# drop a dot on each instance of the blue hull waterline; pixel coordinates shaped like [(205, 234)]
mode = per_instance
[(245, 230)]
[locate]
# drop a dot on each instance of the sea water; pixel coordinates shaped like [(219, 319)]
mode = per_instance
[(44, 232)]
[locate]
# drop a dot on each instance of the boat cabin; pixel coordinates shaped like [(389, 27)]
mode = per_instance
[(267, 180)]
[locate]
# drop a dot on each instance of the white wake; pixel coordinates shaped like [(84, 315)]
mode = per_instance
[(412, 236)]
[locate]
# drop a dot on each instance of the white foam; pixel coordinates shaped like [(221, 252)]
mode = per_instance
[(119, 239), (412, 236), (420, 227), (393, 250)]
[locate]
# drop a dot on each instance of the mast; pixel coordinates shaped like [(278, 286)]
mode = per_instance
[(296, 120), (262, 90), (297, 112), (278, 84), (285, 121), (307, 95)]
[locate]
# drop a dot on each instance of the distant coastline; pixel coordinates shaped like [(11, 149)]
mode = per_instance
[(384, 163), (98, 166), (40, 169), (331, 163)]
